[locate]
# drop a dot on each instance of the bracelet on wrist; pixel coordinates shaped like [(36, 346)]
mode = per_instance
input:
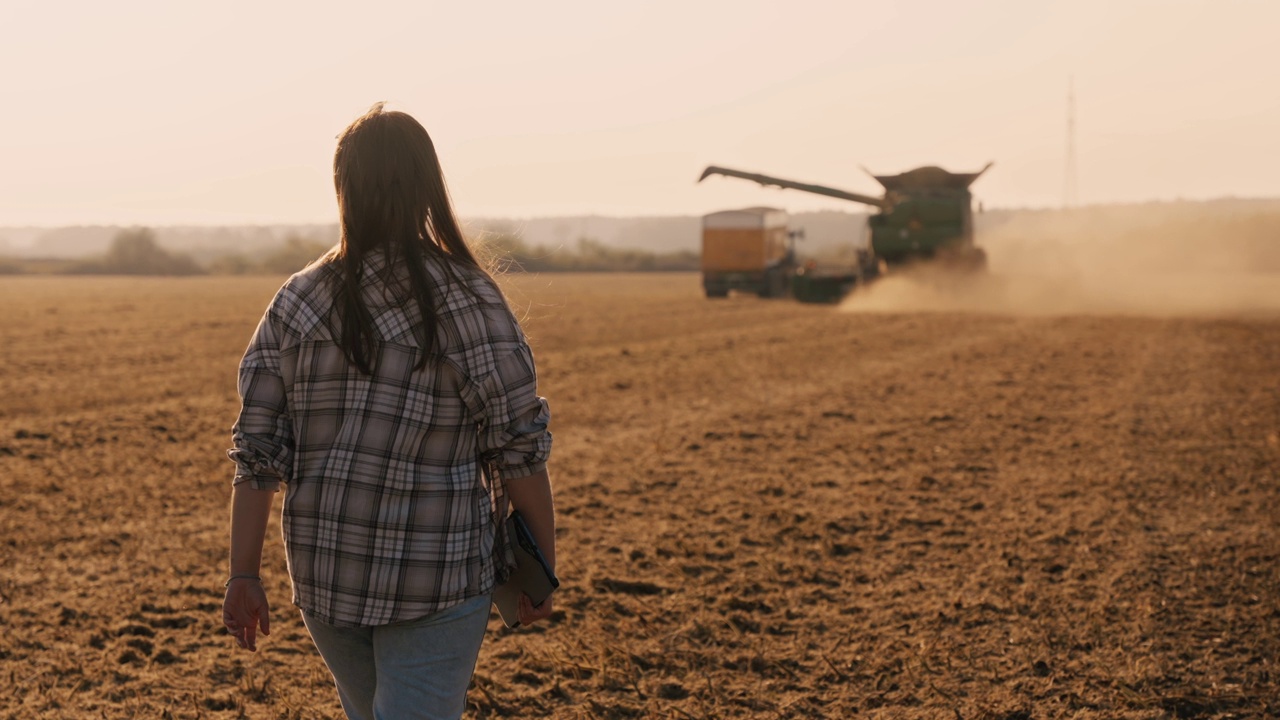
[(241, 577)]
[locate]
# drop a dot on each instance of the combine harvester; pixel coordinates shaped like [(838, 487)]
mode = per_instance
[(926, 214)]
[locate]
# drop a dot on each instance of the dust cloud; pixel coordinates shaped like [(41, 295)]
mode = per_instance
[(1179, 260)]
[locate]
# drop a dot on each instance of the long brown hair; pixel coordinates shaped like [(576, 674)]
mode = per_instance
[(391, 198)]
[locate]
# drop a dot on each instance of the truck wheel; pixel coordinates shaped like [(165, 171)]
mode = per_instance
[(774, 285), (717, 293), (765, 288)]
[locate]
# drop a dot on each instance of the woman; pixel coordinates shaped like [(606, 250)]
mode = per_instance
[(392, 392)]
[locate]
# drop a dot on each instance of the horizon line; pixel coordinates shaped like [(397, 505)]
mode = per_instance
[(480, 217)]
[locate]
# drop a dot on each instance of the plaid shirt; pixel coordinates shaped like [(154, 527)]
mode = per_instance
[(387, 514)]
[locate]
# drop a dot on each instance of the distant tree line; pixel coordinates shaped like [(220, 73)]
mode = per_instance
[(293, 255), (135, 251), (510, 253)]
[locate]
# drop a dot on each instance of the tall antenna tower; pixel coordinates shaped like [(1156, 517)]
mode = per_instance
[(1069, 197)]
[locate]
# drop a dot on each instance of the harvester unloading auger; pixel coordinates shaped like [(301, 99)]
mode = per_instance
[(925, 215)]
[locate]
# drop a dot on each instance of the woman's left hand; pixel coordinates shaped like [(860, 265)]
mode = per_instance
[(245, 610), (528, 613)]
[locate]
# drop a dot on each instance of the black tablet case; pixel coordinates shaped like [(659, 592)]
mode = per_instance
[(531, 576)]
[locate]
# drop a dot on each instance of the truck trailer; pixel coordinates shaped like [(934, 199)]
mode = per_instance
[(748, 250)]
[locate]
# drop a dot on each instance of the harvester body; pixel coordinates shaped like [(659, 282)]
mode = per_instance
[(927, 214)]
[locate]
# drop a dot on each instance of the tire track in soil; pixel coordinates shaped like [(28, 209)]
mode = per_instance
[(1200, 479), (670, 516)]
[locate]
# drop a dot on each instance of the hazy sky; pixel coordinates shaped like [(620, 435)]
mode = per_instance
[(177, 112)]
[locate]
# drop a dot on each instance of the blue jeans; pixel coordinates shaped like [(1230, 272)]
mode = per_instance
[(414, 669)]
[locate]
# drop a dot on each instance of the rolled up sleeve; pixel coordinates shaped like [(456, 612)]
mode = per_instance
[(262, 438), (512, 419)]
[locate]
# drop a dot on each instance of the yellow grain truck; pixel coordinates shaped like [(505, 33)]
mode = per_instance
[(747, 250)]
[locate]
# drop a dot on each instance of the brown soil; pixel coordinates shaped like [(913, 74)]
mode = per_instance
[(767, 509)]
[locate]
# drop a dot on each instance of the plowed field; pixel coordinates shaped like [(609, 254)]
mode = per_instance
[(767, 509)]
